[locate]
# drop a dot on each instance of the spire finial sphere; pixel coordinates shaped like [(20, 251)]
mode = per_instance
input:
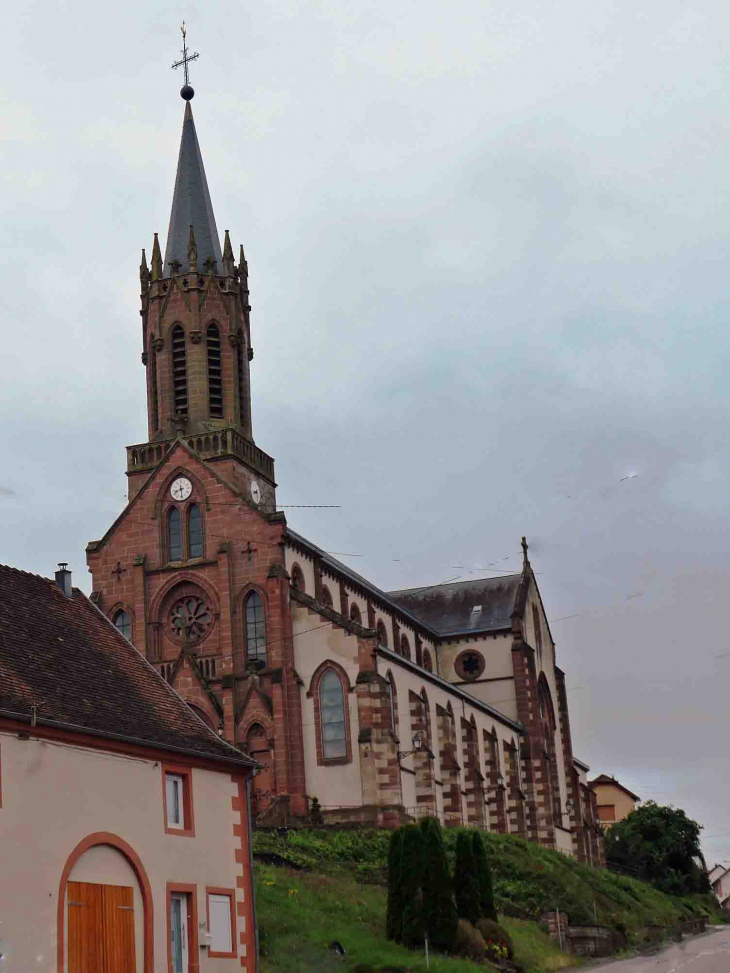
[(186, 92)]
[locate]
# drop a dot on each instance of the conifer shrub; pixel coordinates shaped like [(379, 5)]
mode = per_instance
[(466, 882), (484, 877), (394, 911), (411, 871), (439, 908), (492, 932), (469, 942)]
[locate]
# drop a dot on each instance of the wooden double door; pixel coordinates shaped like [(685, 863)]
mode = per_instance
[(100, 928)]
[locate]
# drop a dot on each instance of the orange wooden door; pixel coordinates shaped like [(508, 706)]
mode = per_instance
[(100, 928)]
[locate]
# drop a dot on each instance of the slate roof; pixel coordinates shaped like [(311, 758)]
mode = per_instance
[(605, 779), (450, 608), (63, 656), (191, 205)]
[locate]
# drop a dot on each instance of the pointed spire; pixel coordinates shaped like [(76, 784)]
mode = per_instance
[(191, 205), (228, 262), (144, 274), (242, 265), (192, 250), (156, 260)]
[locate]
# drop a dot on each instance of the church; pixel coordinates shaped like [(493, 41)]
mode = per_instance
[(360, 705)]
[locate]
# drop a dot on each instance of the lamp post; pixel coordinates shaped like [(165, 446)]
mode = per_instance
[(417, 747)]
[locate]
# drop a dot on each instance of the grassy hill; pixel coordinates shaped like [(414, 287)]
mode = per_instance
[(331, 886)]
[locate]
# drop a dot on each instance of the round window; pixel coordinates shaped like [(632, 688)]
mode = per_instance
[(469, 665), (190, 619)]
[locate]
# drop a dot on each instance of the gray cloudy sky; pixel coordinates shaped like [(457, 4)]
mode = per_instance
[(489, 247)]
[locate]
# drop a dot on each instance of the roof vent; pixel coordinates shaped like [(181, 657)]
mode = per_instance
[(476, 609), (63, 578)]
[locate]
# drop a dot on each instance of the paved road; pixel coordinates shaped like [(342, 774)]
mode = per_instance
[(708, 953)]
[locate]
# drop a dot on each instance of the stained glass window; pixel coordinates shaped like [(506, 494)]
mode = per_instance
[(255, 627), (195, 531), (174, 534), (332, 716)]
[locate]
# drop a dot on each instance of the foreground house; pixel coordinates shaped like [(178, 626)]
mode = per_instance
[(124, 834)]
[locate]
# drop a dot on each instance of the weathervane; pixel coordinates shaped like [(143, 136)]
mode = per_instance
[(186, 91)]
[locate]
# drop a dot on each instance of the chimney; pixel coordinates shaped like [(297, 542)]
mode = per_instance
[(63, 578)]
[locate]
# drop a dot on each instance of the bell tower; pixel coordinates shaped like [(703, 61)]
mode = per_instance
[(196, 338)]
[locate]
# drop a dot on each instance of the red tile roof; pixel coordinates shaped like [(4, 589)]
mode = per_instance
[(65, 657)]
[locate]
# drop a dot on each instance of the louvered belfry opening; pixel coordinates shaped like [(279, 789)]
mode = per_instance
[(241, 385), (179, 371), (215, 378)]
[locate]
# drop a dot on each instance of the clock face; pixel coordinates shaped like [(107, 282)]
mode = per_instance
[(255, 492), (181, 488)]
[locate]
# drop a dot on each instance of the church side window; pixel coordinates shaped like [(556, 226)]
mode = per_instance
[(174, 535), (123, 622), (179, 371), (538, 633), (355, 615), (405, 649), (382, 635), (297, 578), (215, 378), (332, 716), (195, 531), (326, 597), (255, 628)]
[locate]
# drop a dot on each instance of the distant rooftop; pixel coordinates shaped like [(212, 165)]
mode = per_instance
[(463, 606)]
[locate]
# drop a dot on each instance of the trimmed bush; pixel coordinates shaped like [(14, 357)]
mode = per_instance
[(466, 882), (439, 909), (411, 870), (394, 912), (469, 942), (484, 878), (491, 931)]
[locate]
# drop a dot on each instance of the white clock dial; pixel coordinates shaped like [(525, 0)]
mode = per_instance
[(255, 492), (181, 488)]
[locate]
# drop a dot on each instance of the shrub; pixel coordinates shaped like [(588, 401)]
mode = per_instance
[(411, 870), (469, 942), (484, 878), (466, 882), (439, 910), (394, 912), (492, 932)]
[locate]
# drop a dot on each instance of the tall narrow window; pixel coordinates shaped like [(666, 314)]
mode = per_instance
[(179, 371), (405, 649), (154, 412), (355, 615), (242, 405), (195, 531), (124, 623), (382, 635), (255, 628), (215, 381), (332, 716), (174, 535)]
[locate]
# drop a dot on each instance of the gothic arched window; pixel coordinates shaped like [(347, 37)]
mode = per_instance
[(179, 371), (332, 716), (195, 531), (382, 635), (215, 378), (255, 621), (405, 649), (355, 615), (174, 534), (427, 664), (297, 578), (326, 597), (123, 622)]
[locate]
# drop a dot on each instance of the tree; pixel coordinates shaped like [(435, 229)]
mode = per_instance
[(439, 909), (411, 871), (660, 845), (466, 881), (484, 877), (394, 914)]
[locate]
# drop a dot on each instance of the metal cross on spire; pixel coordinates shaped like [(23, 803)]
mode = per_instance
[(186, 58)]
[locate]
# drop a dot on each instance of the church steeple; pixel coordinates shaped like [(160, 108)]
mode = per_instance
[(197, 335), (191, 207)]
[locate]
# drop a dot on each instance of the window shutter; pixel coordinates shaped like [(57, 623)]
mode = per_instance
[(221, 934)]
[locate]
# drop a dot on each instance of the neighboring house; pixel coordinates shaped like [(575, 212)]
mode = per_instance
[(124, 833), (614, 801), (719, 877), (384, 706), (588, 815)]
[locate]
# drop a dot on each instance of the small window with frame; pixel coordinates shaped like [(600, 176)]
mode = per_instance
[(221, 922), (177, 799)]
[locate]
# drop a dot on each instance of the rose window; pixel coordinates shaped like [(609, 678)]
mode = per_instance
[(469, 664), (190, 619)]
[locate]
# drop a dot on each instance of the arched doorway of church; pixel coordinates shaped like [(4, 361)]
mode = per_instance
[(257, 746)]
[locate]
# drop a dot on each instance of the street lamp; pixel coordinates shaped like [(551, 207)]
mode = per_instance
[(569, 806), (417, 747)]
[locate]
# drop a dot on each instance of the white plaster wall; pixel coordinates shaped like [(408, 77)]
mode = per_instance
[(54, 796)]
